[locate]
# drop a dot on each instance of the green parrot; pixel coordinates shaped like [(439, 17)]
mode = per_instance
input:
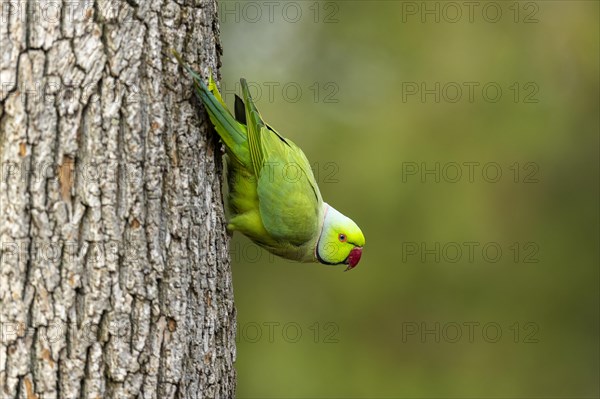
[(273, 197)]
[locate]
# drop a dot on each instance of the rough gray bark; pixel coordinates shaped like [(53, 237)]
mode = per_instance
[(115, 277)]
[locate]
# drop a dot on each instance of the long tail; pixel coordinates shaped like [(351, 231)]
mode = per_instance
[(231, 131)]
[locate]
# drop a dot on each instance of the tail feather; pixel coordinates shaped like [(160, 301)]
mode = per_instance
[(212, 87), (231, 132)]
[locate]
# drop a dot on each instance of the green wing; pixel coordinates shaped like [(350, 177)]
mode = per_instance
[(284, 197), (255, 127), (289, 198)]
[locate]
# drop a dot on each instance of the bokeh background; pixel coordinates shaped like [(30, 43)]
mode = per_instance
[(355, 84)]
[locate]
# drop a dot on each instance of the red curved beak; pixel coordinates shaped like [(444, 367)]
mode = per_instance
[(353, 258)]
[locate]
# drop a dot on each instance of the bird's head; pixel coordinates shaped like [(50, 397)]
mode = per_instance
[(341, 240)]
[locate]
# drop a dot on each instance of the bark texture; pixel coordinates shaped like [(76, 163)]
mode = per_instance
[(115, 277)]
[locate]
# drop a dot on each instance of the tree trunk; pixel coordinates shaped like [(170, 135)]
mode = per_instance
[(115, 277)]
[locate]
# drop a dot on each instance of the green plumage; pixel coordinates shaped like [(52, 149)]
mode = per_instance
[(273, 196)]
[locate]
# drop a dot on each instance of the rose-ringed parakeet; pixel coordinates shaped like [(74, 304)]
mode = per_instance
[(273, 195)]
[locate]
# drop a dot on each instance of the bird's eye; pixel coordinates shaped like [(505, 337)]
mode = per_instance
[(342, 237)]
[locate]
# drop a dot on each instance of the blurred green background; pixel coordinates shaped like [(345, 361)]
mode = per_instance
[(369, 90)]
